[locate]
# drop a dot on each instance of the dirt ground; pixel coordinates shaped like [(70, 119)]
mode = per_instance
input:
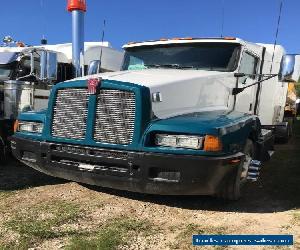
[(41, 212)]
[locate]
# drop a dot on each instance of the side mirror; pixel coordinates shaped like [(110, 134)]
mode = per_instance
[(94, 67), (48, 66), (290, 68)]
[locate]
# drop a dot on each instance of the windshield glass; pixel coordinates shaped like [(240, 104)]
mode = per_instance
[(5, 73), (202, 56)]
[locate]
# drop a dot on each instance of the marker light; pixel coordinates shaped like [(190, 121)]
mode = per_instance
[(179, 141), (229, 38), (32, 127), (212, 143), (20, 44)]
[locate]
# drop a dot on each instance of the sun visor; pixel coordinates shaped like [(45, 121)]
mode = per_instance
[(8, 57)]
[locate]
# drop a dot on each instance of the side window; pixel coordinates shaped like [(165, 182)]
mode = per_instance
[(248, 65)]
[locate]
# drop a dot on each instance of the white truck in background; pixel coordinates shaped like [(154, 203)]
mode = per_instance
[(27, 75)]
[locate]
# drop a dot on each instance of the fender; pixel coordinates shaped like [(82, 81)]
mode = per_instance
[(233, 127)]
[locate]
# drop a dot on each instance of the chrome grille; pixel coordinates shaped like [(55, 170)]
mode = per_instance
[(115, 115), (70, 113)]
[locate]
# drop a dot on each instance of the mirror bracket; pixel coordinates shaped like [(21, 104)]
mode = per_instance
[(236, 91)]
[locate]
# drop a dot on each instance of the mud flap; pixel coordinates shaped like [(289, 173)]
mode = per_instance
[(282, 131), (265, 145)]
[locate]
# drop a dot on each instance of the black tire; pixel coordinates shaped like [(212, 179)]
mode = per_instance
[(233, 185)]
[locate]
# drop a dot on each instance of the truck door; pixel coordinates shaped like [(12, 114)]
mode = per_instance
[(245, 101)]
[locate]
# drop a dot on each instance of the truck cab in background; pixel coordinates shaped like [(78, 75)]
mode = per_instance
[(27, 75), (183, 116)]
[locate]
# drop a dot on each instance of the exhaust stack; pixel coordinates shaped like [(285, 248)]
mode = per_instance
[(78, 9)]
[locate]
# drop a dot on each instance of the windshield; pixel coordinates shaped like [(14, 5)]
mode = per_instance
[(202, 56), (5, 73)]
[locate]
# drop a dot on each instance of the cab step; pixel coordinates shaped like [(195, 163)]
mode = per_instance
[(254, 170)]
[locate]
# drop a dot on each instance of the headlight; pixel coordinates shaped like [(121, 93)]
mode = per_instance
[(32, 127), (179, 141)]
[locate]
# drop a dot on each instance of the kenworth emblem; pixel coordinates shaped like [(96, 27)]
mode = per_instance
[(93, 84)]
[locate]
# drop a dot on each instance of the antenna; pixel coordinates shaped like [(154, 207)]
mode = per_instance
[(43, 19), (102, 39), (276, 36), (222, 20)]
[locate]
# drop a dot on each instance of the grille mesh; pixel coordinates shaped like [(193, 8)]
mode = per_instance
[(115, 114), (70, 113)]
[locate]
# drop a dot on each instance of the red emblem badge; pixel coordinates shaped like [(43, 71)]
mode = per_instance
[(93, 84)]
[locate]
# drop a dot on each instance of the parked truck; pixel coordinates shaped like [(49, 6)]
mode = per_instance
[(290, 109), (27, 75), (185, 116)]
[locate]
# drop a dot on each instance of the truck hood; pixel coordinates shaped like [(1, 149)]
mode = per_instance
[(181, 91)]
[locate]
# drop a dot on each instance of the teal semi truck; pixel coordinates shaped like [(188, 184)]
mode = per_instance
[(183, 116)]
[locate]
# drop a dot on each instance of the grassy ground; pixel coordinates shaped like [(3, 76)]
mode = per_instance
[(111, 235), (42, 222), (41, 212)]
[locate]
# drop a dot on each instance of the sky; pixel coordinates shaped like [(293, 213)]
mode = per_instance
[(132, 20)]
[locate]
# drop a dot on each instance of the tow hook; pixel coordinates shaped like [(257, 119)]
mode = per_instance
[(254, 170)]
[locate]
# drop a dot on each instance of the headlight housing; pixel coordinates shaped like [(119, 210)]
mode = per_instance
[(179, 141), (29, 126)]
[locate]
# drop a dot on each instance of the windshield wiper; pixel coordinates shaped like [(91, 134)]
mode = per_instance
[(152, 65), (172, 66)]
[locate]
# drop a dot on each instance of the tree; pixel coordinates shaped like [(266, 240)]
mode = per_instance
[(297, 85)]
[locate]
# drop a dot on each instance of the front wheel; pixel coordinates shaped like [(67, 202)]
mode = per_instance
[(233, 185)]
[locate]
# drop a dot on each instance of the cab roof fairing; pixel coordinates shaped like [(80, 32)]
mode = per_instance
[(13, 49), (63, 51), (8, 57)]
